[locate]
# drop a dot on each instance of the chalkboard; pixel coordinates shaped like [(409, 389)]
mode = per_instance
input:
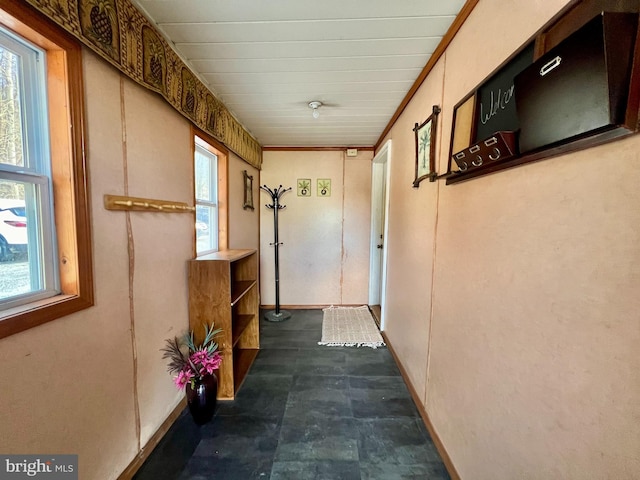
[(496, 107)]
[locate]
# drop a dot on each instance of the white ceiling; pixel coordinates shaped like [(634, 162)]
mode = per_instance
[(267, 59)]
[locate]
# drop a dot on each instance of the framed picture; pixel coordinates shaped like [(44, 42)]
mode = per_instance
[(304, 187), (324, 187), (248, 191), (425, 134)]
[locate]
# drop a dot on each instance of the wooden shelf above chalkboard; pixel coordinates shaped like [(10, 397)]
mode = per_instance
[(490, 107)]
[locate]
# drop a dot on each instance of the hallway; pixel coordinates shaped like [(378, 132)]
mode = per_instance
[(306, 412)]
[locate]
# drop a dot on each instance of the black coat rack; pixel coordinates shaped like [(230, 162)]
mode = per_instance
[(276, 315)]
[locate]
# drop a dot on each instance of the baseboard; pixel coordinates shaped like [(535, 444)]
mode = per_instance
[(376, 313), (144, 453), (453, 473), (293, 307), (309, 307)]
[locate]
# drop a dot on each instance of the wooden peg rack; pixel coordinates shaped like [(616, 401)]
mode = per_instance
[(118, 202)]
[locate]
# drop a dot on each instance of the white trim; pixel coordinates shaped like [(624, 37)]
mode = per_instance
[(35, 171), (383, 156), (210, 203)]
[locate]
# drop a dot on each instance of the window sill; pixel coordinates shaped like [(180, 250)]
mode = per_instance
[(24, 317)]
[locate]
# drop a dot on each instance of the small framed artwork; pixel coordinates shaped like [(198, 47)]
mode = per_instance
[(248, 191), (304, 187), (425, 134), (324, 187)]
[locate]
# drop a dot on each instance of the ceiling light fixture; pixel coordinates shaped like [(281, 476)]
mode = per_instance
[(315, 105)]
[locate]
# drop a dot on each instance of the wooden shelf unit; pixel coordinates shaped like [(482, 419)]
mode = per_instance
[(223, 290)]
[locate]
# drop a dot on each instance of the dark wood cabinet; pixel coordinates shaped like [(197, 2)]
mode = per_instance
[(581, 88)]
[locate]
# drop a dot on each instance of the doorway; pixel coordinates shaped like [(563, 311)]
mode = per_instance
[(379, 212)]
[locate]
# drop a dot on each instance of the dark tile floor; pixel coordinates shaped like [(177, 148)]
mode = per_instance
[(305, 412)]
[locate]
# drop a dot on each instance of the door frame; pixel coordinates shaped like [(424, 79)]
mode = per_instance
[(381, 160)]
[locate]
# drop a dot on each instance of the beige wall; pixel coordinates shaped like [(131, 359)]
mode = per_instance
[(325, 256), (525, 352), (512, 299), (244, 224), (68, 385), (410, 241)]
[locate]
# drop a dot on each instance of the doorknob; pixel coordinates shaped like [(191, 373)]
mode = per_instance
[(380, 246)]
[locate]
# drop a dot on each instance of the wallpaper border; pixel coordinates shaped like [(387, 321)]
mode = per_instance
[(118, 32)]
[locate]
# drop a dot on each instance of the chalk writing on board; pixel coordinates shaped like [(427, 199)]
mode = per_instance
[(496, 107), (498, 101)]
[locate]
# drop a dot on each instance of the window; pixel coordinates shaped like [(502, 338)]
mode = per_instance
[(43, 185), (28, 268), (206, 182), (210, 178)]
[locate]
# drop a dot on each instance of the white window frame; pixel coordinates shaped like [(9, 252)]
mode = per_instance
[(201, 147), (35, 172)]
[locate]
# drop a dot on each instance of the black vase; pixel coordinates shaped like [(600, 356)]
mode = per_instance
[(202, 398)]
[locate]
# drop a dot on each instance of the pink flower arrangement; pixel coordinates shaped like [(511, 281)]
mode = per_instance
[(196, 362)]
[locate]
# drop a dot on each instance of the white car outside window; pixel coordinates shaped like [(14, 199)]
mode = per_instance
[(13, 229)]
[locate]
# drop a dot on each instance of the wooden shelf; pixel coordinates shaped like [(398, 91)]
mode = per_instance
[(239, 289), (592, 140), (227, 255), (243, 359), (240, 324), (223, 291)]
